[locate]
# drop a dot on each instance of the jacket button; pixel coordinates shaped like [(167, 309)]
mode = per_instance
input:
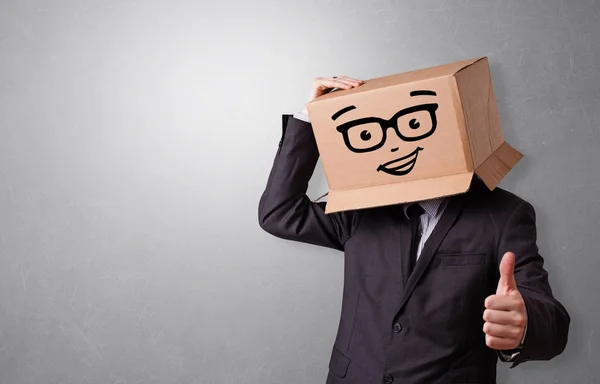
[(387, 379), (397, 328)]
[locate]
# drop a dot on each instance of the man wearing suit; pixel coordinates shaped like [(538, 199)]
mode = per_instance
[(435, 291)]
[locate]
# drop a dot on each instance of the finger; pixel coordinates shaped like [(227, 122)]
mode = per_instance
[(503, 331), (500, 343), (325, 83), (504, 317), (502, 303), (507, 282), (347, 81), (351, 79), (499, 317)]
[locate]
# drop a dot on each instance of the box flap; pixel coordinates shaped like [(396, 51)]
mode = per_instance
[(498, 164), (397, 193), (481, 116)]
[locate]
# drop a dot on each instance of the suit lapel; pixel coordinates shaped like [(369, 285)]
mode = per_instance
[(432, 244)]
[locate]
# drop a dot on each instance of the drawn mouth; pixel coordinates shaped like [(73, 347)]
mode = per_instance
[(401, 166)]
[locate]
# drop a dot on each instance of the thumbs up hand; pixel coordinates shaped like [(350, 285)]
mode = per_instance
[(505, 314)]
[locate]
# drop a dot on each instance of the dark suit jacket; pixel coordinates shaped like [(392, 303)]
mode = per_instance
[(425, 328)]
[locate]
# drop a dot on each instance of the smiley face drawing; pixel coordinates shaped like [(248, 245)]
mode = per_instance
[(368, 134)]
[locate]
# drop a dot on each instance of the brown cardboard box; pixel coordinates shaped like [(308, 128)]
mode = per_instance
[(411, 136)]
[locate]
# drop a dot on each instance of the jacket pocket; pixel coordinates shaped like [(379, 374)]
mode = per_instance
[(461, 259), (338, 365)]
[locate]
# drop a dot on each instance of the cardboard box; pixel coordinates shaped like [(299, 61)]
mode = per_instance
[(411, 137)]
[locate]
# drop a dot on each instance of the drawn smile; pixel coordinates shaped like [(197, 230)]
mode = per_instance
[(401, 166)]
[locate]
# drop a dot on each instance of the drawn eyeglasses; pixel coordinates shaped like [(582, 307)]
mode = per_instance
[(410, 124)]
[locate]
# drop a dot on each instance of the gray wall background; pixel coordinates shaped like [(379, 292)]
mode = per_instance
[(136, 138)]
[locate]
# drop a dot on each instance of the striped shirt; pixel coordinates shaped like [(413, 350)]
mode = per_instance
[(433, 212)]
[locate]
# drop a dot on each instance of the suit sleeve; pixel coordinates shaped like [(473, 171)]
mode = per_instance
[(284, 209), (547, 319)]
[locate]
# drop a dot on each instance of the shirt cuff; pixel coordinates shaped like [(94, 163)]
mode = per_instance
[(509, 358), (301, 116)]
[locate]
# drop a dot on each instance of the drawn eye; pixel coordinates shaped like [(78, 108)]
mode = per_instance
[(364, 136), (414, 124)]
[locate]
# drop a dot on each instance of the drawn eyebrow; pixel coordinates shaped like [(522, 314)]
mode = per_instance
[(342, 111), (423, 93)]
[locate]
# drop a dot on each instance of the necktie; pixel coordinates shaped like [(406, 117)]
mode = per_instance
[(414, 213)]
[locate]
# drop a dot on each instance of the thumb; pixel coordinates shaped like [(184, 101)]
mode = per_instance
[(507, 282)]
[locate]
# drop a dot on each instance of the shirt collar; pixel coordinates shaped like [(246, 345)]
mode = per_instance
[(432, 206)]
